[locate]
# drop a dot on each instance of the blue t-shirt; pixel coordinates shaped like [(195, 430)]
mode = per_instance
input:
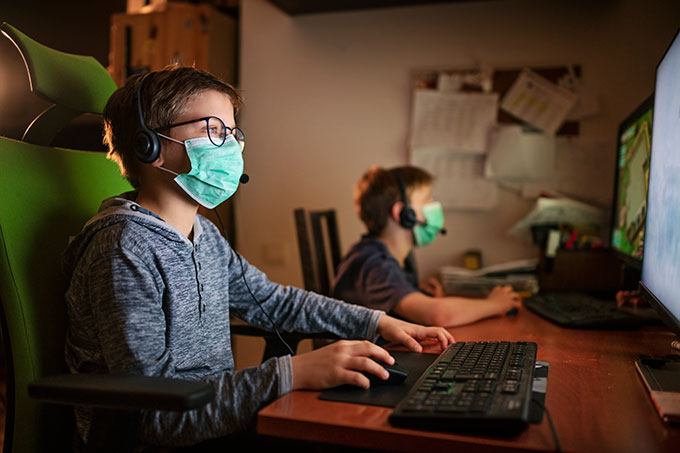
[(369, 275)]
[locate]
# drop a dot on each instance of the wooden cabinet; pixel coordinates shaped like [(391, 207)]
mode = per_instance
[(183, 33)]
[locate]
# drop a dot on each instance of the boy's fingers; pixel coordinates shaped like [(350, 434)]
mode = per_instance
[(368, 349), (355, 378), (368, 365), (445, 338), (410, 342), (449, 337)]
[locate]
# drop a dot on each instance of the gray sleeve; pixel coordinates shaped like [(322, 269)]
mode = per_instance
[(131, 332), (294, 309), (239, 396)]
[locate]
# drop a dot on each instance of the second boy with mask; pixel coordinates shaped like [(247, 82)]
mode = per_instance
[(397, 208)]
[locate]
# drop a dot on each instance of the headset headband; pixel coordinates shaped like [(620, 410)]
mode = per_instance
[(146, 144)]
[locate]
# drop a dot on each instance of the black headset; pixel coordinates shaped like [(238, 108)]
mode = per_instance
[(407, 216), (146, 143)]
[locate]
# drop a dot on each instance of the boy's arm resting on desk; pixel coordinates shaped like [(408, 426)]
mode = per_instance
[(294, 309), (455, 311)]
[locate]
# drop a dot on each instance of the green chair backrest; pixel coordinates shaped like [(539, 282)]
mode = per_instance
[(76, 84), (46, 195)]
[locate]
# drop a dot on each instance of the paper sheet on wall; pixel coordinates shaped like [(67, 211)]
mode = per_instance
[(454, 122), (459, 179), (538, 101), (583, 171), (516, 156)]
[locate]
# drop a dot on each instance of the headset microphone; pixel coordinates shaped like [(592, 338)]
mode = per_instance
[(244, 178), (441, 231)]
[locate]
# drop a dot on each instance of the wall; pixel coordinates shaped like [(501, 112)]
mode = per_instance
[(327, 95)]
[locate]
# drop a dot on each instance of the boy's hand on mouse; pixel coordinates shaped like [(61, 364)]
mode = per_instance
[(505, 298), (339, 363), (408, 334), (432, 287)]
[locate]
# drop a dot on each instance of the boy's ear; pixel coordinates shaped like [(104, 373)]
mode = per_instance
[(396, 209), (158, 162)]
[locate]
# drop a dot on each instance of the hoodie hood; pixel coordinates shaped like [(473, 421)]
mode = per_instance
[(113, 211)]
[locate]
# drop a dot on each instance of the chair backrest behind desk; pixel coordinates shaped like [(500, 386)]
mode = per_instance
[(315, 258)]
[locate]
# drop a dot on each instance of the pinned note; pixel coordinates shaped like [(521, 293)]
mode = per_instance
[(451, 121), (459, 179), (538, 101), (516, 155)]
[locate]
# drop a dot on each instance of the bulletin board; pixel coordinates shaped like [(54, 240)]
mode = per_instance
[(464, 179), (502, 80)]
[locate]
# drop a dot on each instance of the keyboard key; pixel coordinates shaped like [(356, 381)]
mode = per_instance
[(510, 387)]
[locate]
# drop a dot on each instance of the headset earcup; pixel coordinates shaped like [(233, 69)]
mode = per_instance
[(407, 217), (146, 145)]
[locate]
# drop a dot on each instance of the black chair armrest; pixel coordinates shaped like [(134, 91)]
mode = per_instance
[(125, 392)]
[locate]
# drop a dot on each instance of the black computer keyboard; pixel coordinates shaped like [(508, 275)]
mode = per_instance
[(473, 387), (581, 311)]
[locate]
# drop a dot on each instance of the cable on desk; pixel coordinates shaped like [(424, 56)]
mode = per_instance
[(558, 447)]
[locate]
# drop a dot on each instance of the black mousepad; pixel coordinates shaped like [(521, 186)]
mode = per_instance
[(384, 395), (416, 364)]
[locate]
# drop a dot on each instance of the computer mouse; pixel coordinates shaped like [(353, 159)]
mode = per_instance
[(397, 375)]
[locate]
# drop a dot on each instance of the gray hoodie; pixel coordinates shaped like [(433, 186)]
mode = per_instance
[(143, 299)]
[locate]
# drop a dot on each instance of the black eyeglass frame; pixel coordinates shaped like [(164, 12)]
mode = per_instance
[(231, 130)]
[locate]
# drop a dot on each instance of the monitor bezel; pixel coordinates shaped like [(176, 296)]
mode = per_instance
[(667, 317), (629, 260)]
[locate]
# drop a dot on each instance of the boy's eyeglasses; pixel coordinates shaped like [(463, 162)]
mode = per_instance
[(217, 131)]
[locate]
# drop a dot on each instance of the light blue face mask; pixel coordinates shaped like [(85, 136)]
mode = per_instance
[(434, 221), (215, 170)]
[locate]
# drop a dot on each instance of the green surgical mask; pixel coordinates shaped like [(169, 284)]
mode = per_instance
[(425, 232), (215, 170)]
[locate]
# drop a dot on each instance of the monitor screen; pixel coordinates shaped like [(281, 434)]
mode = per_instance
[(661, 263), (632, 176)]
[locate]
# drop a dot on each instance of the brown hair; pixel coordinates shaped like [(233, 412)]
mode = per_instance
[(378, 190), (164, 96)]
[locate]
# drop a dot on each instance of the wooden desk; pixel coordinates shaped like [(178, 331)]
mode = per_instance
[(596, 399)]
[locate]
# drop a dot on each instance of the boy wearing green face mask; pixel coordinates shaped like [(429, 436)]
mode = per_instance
[(397, 208), (153, 283)]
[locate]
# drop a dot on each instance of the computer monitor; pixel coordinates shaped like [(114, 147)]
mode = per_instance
[(661, 258), (632, 176)]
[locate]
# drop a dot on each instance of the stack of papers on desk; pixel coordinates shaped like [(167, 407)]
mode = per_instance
[(560, 211), (521, 275)]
